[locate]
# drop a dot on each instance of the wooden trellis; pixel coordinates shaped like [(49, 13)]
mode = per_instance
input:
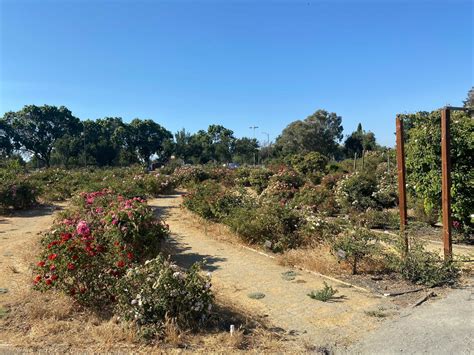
[(445, 179)]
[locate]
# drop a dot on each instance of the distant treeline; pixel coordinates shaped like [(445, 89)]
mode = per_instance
[(53, 136)]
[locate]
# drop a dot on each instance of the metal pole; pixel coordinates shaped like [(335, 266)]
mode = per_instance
[(402, 194), (355, 158), (446, 183)]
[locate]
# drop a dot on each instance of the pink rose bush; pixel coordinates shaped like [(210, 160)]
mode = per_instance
[(92, 244)]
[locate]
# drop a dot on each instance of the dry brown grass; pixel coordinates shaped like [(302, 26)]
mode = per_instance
[(53, 322)]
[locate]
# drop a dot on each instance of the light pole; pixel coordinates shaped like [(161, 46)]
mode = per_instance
[(254, 154)]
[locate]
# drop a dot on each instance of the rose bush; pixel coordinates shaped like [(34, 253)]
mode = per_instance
[(150, 294), (15, 190), (90, 246)]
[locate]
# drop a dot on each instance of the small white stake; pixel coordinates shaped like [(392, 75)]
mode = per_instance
[(232, 330)]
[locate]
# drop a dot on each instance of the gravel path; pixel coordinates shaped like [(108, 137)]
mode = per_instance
[(237, 272)]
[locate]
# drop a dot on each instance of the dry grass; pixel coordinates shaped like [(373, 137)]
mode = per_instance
[(52, 322)]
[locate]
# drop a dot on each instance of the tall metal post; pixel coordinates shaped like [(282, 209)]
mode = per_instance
[(446, 182), (402, 194)]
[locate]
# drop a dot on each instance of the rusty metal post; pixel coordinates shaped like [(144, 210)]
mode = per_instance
[(402, 194), (446, 183)]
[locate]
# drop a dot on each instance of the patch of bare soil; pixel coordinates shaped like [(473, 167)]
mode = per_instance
[(31, 321)]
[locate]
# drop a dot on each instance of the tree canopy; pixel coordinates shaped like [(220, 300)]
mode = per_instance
[(319, 132), (36, 129)]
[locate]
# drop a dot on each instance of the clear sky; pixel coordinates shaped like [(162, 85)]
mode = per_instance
[(237, 63)]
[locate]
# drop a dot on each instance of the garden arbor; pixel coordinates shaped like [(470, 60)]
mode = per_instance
[(445, 178)]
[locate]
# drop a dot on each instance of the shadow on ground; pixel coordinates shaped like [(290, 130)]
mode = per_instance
[(39, 211), (179, 253)]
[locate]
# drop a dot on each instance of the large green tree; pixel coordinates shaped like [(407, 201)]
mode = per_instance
[(319, 132), (148, 137), (245, 150), (359, 141), (103, 140), (36, 129)]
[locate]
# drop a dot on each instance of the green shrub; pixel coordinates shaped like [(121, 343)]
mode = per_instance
[(357, 191), (201, 200), (323, 295), (187, 175), (311, 165), (259, 179), (318, 198), (15, 190), (272, 225), (427, 268), (372, 218), (158, 291), (320, 229), (354, 245)]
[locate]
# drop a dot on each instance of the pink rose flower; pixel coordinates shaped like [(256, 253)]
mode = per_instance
[(83, 228)]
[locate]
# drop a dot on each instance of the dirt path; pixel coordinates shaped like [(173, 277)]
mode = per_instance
[(237, 272), (18, 234)]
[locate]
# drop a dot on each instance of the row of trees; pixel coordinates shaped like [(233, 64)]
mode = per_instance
[(52, 135)]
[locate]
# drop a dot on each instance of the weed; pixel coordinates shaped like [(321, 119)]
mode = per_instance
[(323, 295)]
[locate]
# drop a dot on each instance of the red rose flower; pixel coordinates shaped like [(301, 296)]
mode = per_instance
[(52, 267), (71, 266), (129, 256), (121, 263), (54, 277), (65, 237), (48, 281), (41, 263), (37, 279), (52, 256), (75, 257)]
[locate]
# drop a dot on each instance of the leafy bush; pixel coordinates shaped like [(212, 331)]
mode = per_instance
[(202, 198), (320, 229), (186, 175), (311, 165), (387, 188), (88, 249), (259, 179), (317, 198), (15, 190), (159, 290), (354, 245), (323, 295), (427, 268), (376, 219), (357, 191), (424, 162), (274, 225)]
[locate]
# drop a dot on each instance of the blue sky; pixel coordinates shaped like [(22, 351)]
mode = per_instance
[(237, 63)]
